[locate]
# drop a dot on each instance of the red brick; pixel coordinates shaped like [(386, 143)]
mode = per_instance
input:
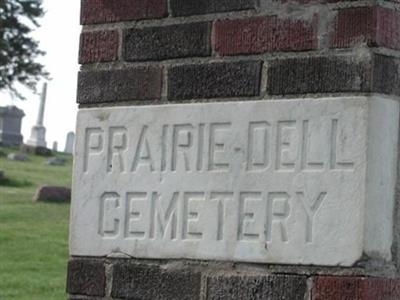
[(355, 288), (376, 26), (98, 46), (259, 35), (388, 28), (105, 11), (354, 26)]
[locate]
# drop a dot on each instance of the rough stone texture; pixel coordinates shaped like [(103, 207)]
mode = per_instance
[(322, 74), (41, 151), (376, 26), (256, 146), (360, 30), (119, 85), (69, 142), (10, 126), (259, 35), (255, 287), (17, 157), (214, 80), (56, 161), (355, 288), (157, 43), (197, 7), (52, 194), (86, 277), (147, 282), (106, 11), (98, 46)]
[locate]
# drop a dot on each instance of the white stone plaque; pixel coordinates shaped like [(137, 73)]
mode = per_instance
[(305, 181)]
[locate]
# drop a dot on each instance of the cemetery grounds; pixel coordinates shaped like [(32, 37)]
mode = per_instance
[(33, 236)]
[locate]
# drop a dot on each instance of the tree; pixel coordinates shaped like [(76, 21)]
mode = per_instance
[(18, 50)]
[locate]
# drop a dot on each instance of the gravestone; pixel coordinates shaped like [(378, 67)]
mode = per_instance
[(55, 146), (56, 161), (10, 126), (58, 194), (38, 132), (236, 150), (17, 157), (69, 143)]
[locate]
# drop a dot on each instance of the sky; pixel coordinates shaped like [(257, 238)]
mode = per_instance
[(58, 36)]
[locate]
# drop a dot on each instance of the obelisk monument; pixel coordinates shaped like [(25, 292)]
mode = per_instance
[(38, 132)]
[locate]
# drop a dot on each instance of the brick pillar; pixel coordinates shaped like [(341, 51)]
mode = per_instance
[(312, 215)]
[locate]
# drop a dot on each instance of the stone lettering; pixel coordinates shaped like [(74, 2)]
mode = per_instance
[(277, 181)]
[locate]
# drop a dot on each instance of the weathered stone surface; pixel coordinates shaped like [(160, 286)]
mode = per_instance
[(214, 80), (69, 143), (41, 151), (158, 43), (306, 181), (38, 131), (56, 161), (10, 126), (52, 194), (119, 85), (132, 281), (86, 277), (197, 7), (256, 287), (17, 156)]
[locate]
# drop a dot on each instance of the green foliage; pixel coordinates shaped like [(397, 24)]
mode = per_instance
[(18, 51), (33, 236)]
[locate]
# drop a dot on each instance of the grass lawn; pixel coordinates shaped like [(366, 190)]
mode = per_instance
[(33, 236)]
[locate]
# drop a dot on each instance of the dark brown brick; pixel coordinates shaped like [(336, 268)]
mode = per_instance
[(119, 85), (198, 7), (157, 43), (333, 74), (354, 26), (106, 11), (376, 26), (214, 80), (259, 35), (256, 287), (141, 281), (98, 46), (386, 75), (86, 277), (355, 288)]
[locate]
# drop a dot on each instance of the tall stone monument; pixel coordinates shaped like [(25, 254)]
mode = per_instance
[(10, 126), (38, 132), (237, 150), (69, 143)]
